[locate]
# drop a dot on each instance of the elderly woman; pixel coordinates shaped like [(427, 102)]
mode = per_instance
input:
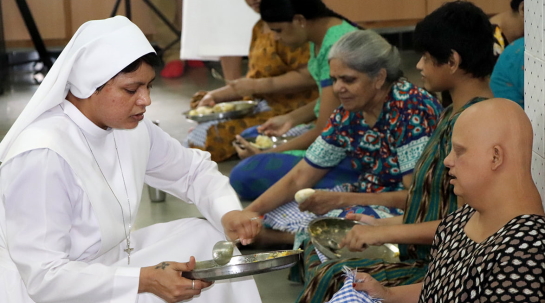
[(73, 167), (274, 77), (382, 126)]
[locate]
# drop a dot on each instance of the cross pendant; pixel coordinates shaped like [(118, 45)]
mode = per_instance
[(128, 251)]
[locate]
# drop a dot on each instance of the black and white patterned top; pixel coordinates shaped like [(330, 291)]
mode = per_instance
[(508, 266)]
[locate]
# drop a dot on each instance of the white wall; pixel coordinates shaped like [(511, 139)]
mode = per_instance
[(534, 94)]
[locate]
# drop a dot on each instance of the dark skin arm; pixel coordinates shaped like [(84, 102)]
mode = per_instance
[(322, 202)]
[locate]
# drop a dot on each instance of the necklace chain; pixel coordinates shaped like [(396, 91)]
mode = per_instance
[(129, 249)]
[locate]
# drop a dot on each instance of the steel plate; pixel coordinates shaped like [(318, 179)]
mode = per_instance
[(244, 265), (276, 141), (242, 108), (326, 232)]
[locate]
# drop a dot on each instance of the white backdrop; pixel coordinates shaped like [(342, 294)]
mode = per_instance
[(216, 28)]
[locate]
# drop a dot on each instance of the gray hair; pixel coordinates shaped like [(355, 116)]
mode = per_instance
[(368, 52)]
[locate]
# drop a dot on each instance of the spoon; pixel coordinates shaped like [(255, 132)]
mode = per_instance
[(222, 252), (217, 75)]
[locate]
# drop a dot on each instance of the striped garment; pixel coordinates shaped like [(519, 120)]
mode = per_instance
[(430, 198), (347, 293)]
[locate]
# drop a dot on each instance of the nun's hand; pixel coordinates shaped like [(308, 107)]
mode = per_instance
[(165, 281), (241, 224)]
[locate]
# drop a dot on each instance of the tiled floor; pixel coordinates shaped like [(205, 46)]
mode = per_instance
[(170, 99)]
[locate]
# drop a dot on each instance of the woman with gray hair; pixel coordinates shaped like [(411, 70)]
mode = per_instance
[(382, 126), (368, 52)]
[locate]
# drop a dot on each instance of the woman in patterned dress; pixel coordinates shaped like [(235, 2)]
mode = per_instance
[(382, 126), (269, 61), (492, 249), (457, 57)]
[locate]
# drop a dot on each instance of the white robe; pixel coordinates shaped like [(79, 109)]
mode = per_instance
[(64, 228)]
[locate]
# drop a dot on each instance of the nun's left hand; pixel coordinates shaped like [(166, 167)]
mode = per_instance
[(241, 224)]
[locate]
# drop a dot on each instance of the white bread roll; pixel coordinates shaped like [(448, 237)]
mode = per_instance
[(303, 194)]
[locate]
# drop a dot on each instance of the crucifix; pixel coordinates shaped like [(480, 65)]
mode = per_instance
[(128, 250)]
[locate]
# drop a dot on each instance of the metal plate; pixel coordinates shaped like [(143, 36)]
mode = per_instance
[(276, 141), (244, 265), (242, 108), (327, 232)]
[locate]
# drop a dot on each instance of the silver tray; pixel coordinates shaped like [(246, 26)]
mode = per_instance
[(326, 233), (242, 108), (244, 265), (276, 141)]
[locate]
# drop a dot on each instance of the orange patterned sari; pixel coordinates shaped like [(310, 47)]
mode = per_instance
[(267, 58)]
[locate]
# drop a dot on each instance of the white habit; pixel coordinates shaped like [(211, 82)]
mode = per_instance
[(62, 229)]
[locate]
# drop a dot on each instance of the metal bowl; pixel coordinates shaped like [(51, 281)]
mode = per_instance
[(244, 265), (327, 233), (242, 108)]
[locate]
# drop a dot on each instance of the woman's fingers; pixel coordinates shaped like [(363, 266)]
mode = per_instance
[(244, 148)]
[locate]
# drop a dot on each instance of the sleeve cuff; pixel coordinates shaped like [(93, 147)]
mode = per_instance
[(315, 165), (220, 207), (326, 83), (127, 280)]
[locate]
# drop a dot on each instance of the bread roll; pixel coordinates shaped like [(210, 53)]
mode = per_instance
[(303, 194), (224, 107), (264, 142), (204, 110)]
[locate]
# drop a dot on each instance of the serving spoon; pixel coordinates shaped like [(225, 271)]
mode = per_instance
[(222, 252)]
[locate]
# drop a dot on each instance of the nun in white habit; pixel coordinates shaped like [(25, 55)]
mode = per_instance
[(73, 168)]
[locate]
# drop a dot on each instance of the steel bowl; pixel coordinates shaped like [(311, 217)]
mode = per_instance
[(242, 108), (244, 265), (326, 233)]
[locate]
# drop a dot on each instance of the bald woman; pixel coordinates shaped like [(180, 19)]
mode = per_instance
[(492, 248)]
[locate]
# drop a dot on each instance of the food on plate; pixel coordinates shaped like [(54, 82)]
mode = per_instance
[(279, 254), (218, 108), (201, 110), (263, 142), (224, 107), (303, 194)]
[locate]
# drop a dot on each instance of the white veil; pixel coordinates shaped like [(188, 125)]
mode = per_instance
[(97, 52)]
